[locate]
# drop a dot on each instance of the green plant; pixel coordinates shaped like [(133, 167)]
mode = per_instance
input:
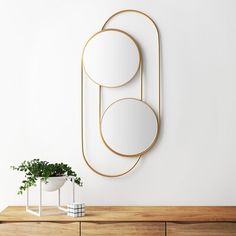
[(35, 168)]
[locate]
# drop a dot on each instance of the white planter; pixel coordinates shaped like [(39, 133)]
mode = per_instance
[(54, 183)]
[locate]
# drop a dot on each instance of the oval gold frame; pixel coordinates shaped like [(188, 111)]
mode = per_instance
[(158, 48), (136, 154), (140, 66), (100, 93), (131, 38)]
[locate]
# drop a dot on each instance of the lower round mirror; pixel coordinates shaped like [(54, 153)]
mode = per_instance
[(129, 127)]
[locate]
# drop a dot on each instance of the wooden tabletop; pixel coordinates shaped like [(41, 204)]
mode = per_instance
[(132, 213)]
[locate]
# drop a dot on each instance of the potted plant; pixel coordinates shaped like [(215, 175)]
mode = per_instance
[(53, 175)]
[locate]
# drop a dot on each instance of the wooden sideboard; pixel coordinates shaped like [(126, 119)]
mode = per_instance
[(127, 221)]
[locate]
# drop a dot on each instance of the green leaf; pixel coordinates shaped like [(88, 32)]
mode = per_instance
[(36, 168)]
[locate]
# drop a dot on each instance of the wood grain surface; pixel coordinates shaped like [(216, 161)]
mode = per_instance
[(201, 229), (123, 220), (39, 229), (126, 229), (132, 213)]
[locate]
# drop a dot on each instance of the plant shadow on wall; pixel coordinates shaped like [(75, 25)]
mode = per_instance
[(48, 172)]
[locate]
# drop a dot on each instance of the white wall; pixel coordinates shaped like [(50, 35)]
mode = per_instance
[(195, 159)]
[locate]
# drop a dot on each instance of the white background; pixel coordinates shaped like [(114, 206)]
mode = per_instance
[(194, 161)]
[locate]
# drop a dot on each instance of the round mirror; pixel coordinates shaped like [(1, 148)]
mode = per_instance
[(129, 127), (111, 58)]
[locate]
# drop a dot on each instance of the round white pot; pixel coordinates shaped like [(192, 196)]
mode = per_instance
[(53, 183)]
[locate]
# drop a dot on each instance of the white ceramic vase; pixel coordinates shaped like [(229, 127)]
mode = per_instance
[(53, 183)]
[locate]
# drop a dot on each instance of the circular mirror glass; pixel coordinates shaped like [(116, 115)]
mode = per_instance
[(111, 58), (129, 127)]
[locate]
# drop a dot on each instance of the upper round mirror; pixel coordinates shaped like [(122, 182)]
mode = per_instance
[(111, 58), (129, 127)]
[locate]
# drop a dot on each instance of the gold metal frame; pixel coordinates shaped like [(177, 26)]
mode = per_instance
[(131, 38), (140, 68), (136, 154), (100, 91), (158, 47)]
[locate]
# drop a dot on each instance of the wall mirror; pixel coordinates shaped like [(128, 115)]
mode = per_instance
[(127, 127), (111, 58)]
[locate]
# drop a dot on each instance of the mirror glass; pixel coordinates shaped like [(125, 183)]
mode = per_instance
[(129, 127), (111, 58)]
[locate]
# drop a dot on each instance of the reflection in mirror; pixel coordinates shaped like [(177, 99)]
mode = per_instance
[(129, 127), (111, 58)]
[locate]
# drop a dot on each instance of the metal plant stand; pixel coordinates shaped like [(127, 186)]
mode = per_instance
[(38, 211)]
